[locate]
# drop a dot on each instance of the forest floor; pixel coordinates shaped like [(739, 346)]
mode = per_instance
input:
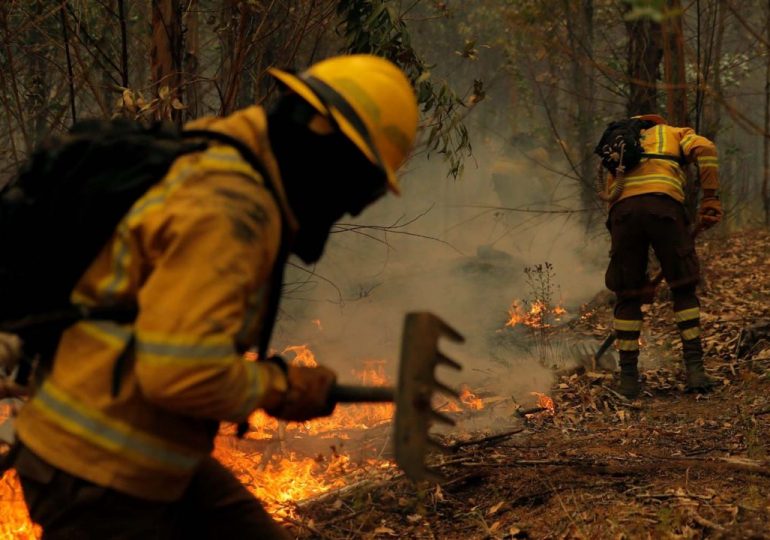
[(667, 465)]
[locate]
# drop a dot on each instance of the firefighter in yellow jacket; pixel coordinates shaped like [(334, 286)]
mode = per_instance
[(196, 254), (648, 210)]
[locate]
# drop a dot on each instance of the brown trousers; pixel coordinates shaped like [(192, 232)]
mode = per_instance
[(215, 505), (635, 224)]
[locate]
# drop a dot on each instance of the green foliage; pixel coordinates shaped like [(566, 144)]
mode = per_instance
[(378, 27), (654, 10), (645, 9)]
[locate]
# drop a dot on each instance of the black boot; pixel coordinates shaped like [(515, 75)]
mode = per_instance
[(629, 374), (696, 378)]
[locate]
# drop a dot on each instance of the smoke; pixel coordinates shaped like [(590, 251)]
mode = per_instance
[(446, 246)]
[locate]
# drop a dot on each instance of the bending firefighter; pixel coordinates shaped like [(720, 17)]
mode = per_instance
[(199, 254), (646, 211)]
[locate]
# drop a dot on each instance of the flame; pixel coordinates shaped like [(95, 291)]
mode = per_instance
[(450, 406), (317, 323), (14, 519), (303, 356), (357, 416), (289, 478), (286, 478), (539, 315), (545, 402), (278, 478), (469, 399)]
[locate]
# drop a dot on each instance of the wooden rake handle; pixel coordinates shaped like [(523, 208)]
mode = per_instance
[(344, 393)]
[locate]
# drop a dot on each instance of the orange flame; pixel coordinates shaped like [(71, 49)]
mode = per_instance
[(469, 399), (539, 314), (545, 402), (14, 519), (277, 479), (287, 478)]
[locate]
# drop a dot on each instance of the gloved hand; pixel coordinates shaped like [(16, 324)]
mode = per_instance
[(710, 212), (307, 396), (10, 351)]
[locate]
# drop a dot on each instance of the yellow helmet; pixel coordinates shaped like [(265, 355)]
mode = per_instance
[(658, 119), (371, 101)]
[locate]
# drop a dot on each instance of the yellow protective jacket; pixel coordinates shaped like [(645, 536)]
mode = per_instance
[(195, 253), (665, 176)]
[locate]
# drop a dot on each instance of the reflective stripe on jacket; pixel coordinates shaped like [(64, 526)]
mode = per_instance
[(195, 253), (668, 176)]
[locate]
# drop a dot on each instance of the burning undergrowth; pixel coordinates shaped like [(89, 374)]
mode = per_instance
[(14, 520), (284, 464)]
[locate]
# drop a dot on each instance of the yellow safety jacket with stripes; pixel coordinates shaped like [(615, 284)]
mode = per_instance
[(667, 176), (195, 253)]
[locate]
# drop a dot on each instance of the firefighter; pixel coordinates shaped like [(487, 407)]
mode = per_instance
[(198, 254), (650, 212)]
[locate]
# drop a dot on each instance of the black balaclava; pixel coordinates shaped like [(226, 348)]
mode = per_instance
[(325, 176)]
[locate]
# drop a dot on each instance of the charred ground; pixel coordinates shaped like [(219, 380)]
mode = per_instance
[(669, 464)]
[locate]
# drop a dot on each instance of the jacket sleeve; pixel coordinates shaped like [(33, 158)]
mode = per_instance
[(701, 151), (211, 249)]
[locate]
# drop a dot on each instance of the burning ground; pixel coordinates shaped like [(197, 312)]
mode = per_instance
[(575, 460), (668, 465)]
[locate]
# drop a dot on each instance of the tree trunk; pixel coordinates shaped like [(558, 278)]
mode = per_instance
[(121, 9), (68, 57), (192, 60), (766, 153), (580, 34), (674, 65), (712, 108), (644, 55), (238, 20), (38, 86), (166, 54)]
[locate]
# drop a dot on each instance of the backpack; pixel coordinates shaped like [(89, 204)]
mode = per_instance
[(621, 144), (63, 207)]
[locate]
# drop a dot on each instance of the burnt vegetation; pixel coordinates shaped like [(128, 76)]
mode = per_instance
[(513, 97)]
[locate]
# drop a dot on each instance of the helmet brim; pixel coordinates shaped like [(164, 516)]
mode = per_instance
[(656, 118)]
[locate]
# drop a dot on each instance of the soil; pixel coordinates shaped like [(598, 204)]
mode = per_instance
[(667, 465)]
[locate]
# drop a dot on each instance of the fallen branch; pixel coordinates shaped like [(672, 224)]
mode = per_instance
[(485, 441), (523, 413), (706, 523)]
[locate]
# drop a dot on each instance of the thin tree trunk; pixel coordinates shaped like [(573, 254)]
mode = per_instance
[(644, 55), (191, 60), (166, 50), (238, 17), (766, 156), (70, 74), (123, 44), (36, 96), (712, 108), (674, 65)]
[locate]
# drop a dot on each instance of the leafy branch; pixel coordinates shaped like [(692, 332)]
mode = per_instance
[(378, 27)]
